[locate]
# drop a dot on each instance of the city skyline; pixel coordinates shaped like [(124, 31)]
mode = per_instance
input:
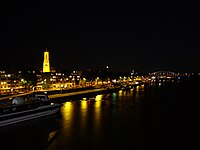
[(40, 68), (144, 37)]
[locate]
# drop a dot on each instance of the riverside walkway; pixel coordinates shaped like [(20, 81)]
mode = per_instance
[(59, 98), (75, 93), (55, 95), (61, 94)]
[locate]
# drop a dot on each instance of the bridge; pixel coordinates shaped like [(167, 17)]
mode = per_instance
[(163, 75)]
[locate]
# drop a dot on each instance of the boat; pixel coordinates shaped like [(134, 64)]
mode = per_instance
[(92, 99), (20, 109)]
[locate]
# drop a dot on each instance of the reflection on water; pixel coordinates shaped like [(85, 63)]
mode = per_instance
[(99, 97), (128, 119), (67, 111), (110, 121)]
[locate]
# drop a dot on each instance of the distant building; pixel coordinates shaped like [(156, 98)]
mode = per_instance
[(46, 63), (10, 82), (58, 80)]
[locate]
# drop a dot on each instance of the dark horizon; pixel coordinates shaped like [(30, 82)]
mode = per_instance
[(144, 37)]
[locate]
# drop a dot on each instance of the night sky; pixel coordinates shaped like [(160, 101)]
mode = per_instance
[(145, 36)]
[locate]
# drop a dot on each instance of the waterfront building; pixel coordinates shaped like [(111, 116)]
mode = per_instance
[(10, 82), (58, 80)]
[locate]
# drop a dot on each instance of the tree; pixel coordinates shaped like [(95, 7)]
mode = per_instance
[(29, 78)]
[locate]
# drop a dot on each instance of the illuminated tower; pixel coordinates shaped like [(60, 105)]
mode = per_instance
[(46, 63)]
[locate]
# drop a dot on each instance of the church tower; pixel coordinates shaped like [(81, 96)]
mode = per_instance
[(46, 63)]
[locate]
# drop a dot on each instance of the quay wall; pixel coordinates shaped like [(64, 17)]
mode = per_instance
[(63, 97)]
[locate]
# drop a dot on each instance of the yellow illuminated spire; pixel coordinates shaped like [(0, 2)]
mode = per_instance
[(46, 63)]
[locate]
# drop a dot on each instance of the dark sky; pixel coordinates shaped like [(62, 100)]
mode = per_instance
[(145, 36)]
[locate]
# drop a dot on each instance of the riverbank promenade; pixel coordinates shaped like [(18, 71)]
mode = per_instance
[(56, 94)]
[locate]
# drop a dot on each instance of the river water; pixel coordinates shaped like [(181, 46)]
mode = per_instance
[(149, 117)]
